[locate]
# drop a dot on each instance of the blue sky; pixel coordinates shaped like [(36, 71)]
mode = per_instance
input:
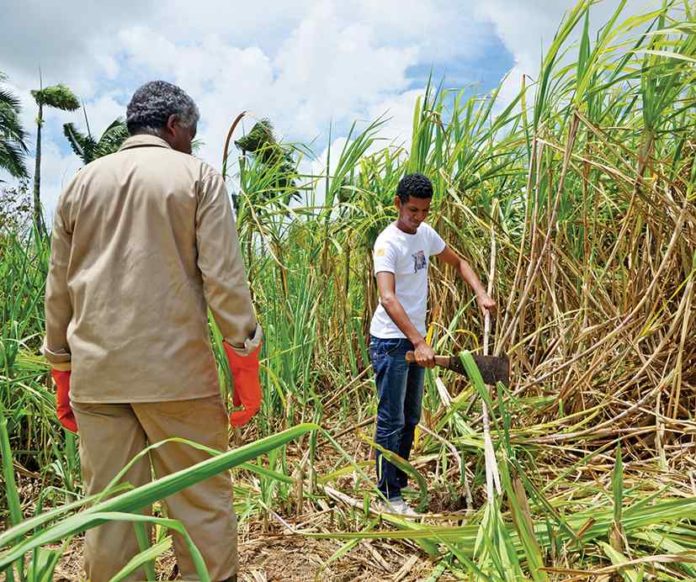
[(306, 64)]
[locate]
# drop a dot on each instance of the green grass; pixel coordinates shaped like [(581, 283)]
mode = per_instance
[(586, 178)]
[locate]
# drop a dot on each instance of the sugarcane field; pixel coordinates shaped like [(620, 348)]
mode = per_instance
[(360, 291)]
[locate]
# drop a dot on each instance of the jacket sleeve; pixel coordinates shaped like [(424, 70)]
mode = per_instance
[(58, 306), (220, 262)]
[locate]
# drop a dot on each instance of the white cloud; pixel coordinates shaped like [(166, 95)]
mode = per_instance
[(527, 43), (396, 115), (240, 23), (101, 112), (330, 69), (327, 70), (62, 39), (57, 169), (397, 111), (306, 64), (443, 29)]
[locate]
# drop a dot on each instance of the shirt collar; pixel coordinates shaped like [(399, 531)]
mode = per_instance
[(144, 140)]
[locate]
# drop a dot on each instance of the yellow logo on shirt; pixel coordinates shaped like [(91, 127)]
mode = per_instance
[(380, 252)]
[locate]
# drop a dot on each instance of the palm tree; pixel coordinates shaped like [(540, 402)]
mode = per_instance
[(13, 150), (59, 97), (273, 159), (89, 149)]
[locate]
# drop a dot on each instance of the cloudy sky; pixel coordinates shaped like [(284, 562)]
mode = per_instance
[(306, 64)]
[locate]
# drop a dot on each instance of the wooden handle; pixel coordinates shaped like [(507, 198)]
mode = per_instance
[(442, 361)]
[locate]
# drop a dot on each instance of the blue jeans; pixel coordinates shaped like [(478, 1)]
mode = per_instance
[(400, 391)]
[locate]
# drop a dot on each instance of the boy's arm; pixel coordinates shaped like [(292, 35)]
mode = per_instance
[(485, 302), (424, 354)]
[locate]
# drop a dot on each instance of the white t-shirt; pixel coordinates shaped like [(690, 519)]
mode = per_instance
[(407, 256)]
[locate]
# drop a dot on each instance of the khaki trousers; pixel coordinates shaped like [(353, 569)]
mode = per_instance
[(112, 434)]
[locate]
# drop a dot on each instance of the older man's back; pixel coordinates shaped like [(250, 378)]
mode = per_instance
[(143, 243), (137, 231)]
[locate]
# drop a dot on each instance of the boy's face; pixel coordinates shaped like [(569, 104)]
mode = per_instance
[(412, 212)]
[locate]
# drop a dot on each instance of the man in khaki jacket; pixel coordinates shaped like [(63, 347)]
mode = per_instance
[(144, 241)]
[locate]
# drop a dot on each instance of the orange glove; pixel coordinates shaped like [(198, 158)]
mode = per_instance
[(247, 389), (63, 410)]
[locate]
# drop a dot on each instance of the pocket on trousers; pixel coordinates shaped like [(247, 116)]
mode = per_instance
[(382, 352), (376, 357), (384, 347)]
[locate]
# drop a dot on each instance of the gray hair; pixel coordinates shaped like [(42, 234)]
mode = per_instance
[(153, 103)]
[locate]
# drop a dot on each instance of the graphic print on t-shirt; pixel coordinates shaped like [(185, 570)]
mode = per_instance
[(407, 257), (419, 261)]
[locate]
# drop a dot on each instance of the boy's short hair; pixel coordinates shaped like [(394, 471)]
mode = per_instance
[(414, 185)]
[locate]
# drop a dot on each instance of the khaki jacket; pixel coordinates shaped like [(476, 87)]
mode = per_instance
[(144, 240)]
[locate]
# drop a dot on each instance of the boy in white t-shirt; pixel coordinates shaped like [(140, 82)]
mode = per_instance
[(401, 256)]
